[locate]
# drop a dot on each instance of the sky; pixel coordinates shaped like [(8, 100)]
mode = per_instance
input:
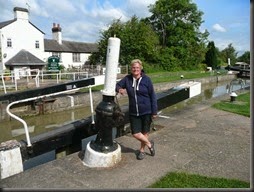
[(227, 21)]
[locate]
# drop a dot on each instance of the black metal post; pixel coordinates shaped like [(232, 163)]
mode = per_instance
[(108, 114)]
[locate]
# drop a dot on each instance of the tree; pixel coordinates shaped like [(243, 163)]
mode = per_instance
[(229, 52), (177, 24), (245, 57), (99, 57), (211, 56), (138, 40)]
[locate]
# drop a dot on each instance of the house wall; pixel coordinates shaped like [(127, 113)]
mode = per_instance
[(67, 61), (23, 36)]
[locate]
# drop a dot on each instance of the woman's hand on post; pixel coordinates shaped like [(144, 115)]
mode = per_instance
[(122, 91)]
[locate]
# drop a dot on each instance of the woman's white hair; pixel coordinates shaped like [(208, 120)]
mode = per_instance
[(137, 61)]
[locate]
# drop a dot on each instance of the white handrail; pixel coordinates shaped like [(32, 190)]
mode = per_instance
[(91, 103), (37, 80), (20, 120), (30, 99)]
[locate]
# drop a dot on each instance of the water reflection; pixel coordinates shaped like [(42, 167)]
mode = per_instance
[(209, 91), (38, 124)]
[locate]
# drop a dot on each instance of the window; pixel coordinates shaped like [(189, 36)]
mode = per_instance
[(9, 43), (76, 57), (58, 55), (37, 45)]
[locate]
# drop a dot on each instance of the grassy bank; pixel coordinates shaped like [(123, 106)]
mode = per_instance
[(185, 180), (240, 106), (161, 77), (175, 76)]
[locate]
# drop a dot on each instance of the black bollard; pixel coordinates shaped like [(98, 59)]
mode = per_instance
[(108, 115)]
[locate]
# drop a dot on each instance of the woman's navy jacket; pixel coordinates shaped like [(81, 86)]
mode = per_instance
[(142, 98)]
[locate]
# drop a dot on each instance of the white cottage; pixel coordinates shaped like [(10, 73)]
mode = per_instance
[(20, 34), (71, 54), (23, 45)]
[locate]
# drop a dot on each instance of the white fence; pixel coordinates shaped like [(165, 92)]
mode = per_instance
[(20, 79), (36, 78)]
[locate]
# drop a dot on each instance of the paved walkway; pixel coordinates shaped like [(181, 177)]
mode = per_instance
[(197, 139)]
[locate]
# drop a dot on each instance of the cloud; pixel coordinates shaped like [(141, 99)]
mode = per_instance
[(219, 28), (139, 8), (81, 20)]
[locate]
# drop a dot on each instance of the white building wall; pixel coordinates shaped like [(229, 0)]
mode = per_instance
[(84, 57), (23, 36), (67, 61)]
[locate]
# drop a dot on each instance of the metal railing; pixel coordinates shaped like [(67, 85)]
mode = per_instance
[(38, 97), (40, 78), (236, 82)]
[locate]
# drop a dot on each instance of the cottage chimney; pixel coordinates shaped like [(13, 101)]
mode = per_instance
[(21, 13), (57, 33)]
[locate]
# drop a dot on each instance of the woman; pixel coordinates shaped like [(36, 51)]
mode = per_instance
[(142, 105)]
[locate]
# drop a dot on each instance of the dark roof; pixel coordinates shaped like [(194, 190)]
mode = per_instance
[(5, 23), (69, 46), (24, 57)]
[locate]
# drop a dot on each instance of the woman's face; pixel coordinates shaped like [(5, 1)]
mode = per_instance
[(136, 69)]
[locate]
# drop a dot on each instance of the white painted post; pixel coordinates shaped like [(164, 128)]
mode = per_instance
[(111, 66), (229, 72), (16, 85), (92, 157), (72, 100), (42, 76), (10, 158)]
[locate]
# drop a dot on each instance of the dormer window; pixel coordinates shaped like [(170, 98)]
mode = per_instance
[(9, 42), (37, 44)]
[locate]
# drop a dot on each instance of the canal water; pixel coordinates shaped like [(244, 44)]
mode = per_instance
[(42, 123)]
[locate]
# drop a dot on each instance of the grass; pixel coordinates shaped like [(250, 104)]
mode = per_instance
[(160, 77), (185, 180), (240, 106), (95, 88)]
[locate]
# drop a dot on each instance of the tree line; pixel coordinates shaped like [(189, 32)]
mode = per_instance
[(168, 40)]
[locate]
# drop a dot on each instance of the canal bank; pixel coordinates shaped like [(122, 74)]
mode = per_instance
[(78, 99), (197, 139)]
